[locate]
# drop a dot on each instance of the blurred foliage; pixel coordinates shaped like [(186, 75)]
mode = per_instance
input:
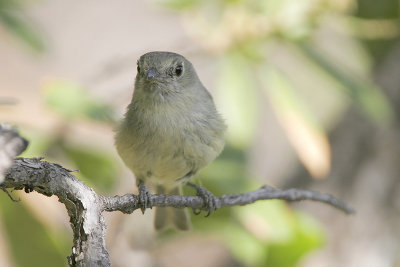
[(73, 101), (361, 89), (247, 36), (24, 232), (15, 21), (96, 168), (383, 19), (262, 234), (309, 59), (301, 126), (232, 79)]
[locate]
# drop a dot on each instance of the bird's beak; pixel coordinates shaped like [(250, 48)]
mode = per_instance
[(151, 73)]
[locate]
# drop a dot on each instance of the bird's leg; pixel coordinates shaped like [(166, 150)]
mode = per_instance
[(144, 197), (210, 201)]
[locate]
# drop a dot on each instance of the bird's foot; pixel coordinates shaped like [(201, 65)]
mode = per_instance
[(144, 197), (210, 201)]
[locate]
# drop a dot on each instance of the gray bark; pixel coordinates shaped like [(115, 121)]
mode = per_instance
[(85, 206), (11, 145)]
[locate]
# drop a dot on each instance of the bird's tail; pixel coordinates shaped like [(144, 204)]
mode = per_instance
[(169, 216)]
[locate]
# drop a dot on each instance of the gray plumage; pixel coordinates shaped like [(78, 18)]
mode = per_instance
[(171, 128)]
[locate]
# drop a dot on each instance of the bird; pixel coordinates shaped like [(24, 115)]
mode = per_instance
[(170, 131)]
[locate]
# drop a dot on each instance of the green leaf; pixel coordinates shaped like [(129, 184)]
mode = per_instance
[(307, 236), (237, 98), (96, 168), (244, 246), (226, 174), (270, 221), (179, 4), (73, 101), (287, 236), (31, 244), (38, 144)]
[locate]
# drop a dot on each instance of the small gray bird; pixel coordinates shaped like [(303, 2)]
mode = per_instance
[(170, 131)]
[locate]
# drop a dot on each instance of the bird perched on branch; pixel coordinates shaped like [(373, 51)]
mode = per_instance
[(170, 131)]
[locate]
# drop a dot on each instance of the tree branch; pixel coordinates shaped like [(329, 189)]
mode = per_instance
[(11, 145), (129, 202), (85, 206)]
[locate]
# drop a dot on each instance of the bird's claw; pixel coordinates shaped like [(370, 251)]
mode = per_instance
[(144, 197), (210, 201)]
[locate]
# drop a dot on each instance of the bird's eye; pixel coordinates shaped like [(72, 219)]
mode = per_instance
[(179, 70), (138, 68)]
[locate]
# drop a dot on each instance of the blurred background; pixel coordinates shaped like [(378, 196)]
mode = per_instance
[(309, 89)]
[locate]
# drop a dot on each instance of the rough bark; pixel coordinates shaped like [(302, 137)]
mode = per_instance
[(85, 206), (11, 145)]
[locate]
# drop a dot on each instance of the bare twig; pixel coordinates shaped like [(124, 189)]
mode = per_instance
[(85, 206), (128, 203)]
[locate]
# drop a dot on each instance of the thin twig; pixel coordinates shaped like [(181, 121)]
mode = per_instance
[(128, 203)]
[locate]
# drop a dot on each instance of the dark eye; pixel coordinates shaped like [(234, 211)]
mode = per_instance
[(178, 70), (138, 68)]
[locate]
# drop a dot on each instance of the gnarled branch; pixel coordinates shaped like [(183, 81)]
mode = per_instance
[(85, 206), (11, 145)]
